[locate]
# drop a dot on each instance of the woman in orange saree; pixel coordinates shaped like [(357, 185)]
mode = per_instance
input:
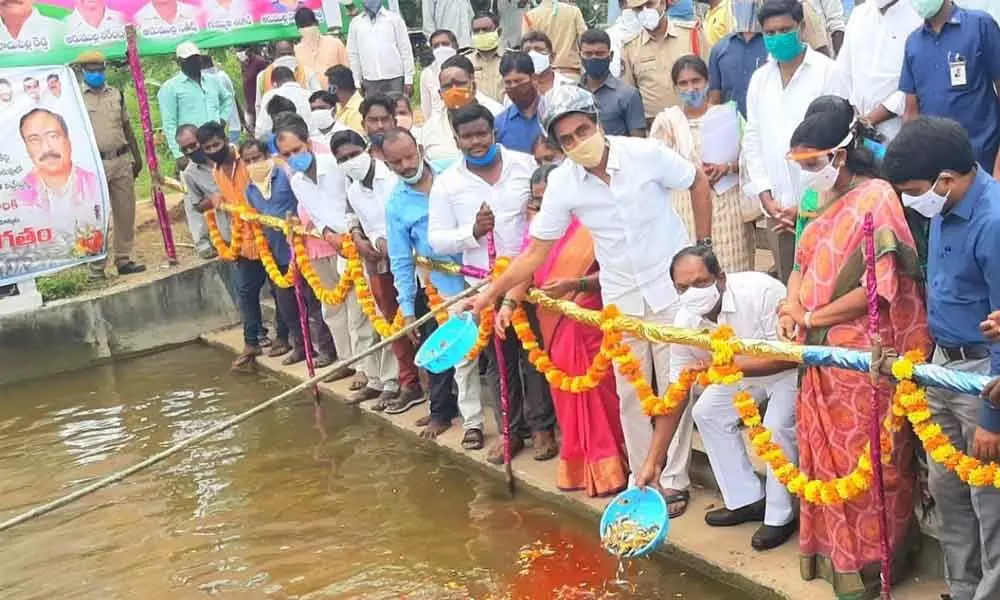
[(826, 304), (592, 452)]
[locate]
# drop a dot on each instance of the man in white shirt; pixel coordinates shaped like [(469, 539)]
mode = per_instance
[(747, 302), (486, 193), (94, 22), (620, 189), (539, 48), (23, 23), (456, 88), (869, 63), (379, 53), (444, 45), (323, 106), (283, 52), (779, 93), (451, 15), (285, 86), (166, 18)]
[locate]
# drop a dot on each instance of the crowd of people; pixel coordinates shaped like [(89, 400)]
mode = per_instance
[(629, 167)]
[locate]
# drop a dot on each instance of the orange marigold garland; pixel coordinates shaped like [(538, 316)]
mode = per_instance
[(282, 280), (230, 251), (434, 300), (308, 271)]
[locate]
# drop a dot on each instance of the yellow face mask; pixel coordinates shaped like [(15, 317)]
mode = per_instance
[(589, 152), (486, 41), (260, 174)]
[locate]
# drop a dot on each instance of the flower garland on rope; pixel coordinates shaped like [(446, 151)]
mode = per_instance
[(434, 300), (488, 314), (356, 273), (230, 251), (911, 401), (541, 360), (282, 280), (308, 271)]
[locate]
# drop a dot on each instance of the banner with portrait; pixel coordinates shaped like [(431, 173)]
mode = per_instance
[(53, 193), (46, 32)]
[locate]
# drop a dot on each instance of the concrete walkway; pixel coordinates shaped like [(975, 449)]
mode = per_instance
[(721, 553)]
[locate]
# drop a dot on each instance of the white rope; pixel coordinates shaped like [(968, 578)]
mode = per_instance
[(243, 416)]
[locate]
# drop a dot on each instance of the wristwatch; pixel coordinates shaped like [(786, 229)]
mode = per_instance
[(705, 242)]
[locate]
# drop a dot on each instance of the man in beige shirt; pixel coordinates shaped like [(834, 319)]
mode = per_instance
[(314, 51), (486, 58), (564, 25), (648, 58)]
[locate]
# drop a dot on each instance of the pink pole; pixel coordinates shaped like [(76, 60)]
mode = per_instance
[(300, 301), (504, 392), (159, 202), (876, 407)]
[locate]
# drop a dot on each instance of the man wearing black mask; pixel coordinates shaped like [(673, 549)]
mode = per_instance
[(620, 104), (200, 185)]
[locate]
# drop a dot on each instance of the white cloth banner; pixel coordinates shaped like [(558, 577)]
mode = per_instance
[(53, 193)]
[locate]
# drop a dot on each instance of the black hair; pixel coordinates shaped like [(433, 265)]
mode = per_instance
[(541, 174), (286, 117), (460, 61), (4, 81), (595, 36), (294, 124), (827, 126), (469, 113), (278, 105), (210, 131), (483, 14), (51, 77), (305, 17), (701, 251), (206, 61), (59, 119), (323, 95), (397, 133), (341, 78), (186, 127), (374, 100), (253, 143), (516, 62), (777, 8), (280, 75), (396, 97), (27, 79), (344, 137), (688, 61), (925, 147), (447, 32), (284, 45), (537, 36)]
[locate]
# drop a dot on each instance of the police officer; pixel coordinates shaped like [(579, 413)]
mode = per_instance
[(119, 153)]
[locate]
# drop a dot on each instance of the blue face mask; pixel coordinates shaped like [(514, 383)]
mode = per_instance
[(94, 79), (300, 162), (485, 160), (693, 98)]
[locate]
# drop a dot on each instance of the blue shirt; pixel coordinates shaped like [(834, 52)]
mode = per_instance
[(972, 36), (620, 106), (281, 202), (963, 271), (516, 132), (406, 228), (730, 65)]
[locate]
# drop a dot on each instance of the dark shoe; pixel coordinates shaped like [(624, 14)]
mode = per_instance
[(473, 439), (770, 536), (295, 357), (279, 348), (544, 444), (677, 502), (338, 374), (362, 395), (723, 517), (130, 267), (264, 341), (405, 401), (322, 360), (495, 457)]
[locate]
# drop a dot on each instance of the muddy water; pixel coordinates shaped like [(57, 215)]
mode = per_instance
[(291, 504)]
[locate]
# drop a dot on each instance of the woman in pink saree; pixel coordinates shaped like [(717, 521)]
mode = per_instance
[(592, 453)]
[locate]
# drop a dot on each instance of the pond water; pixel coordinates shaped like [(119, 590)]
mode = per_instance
[(294, 503)]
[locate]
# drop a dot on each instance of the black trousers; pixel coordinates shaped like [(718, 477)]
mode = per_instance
[(288, 309), (443, 401)]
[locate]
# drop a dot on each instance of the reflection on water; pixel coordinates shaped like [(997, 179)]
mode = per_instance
[(294, 503)]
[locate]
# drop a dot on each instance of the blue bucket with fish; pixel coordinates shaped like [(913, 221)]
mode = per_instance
[(639, 510), (449, 344)]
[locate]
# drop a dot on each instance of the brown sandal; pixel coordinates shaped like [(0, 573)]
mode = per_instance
[(473, 439), (545, 446)]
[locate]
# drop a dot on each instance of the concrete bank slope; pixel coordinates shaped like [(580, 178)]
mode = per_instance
[(721, 553), (144, 312)]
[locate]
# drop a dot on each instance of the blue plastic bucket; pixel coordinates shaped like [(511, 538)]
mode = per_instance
[(449, 344), (644, 506)]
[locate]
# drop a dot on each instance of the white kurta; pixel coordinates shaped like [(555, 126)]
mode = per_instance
[(453, 15)]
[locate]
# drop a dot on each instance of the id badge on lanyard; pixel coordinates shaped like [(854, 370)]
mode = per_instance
[(956, 69)]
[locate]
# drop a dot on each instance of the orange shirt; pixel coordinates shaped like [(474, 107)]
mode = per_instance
[(319, 54), (233, 182)]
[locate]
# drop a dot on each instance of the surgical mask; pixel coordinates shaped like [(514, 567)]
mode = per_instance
[(415, 179), (926, 8), (485, 160), (241, 55), (457, 97), (928, 204), (300, 161), (286, 61), (442, 53), (589, 152), (219, 157), (198, 157), (322, 118), (260, 174), (357, 168), (94, 79), (785, 46), (540, 61), (649, 18), (486, 41), (597, 68), (693, 98), (376, 139), (700, 300), (745, 17), (822, 180), (404, 122), (372, 6)]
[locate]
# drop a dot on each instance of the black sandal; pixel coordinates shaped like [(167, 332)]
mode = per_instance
[(676, 497), (473, 440)]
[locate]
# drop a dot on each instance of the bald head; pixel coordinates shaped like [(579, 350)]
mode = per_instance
[(284, 48)]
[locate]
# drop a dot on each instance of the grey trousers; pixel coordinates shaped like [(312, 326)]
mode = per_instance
[(969, 517), (382, 86), (782, 247)]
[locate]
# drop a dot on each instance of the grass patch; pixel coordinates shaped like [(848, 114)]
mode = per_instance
[(66, 284)]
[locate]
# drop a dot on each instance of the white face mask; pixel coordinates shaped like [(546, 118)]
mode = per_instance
[(929, 204), (540, 61), (322, 118), (357, 168), (700, 301), (822, 180), (650, 18), (241, 55), (442, 53)]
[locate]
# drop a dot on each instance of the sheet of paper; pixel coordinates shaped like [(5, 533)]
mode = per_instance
[(720, 141)]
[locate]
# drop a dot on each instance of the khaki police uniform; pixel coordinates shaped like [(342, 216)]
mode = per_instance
[(647, 63), (488, 78), (108, 118)]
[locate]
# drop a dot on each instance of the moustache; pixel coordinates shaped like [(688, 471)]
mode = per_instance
[(49, 155)]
